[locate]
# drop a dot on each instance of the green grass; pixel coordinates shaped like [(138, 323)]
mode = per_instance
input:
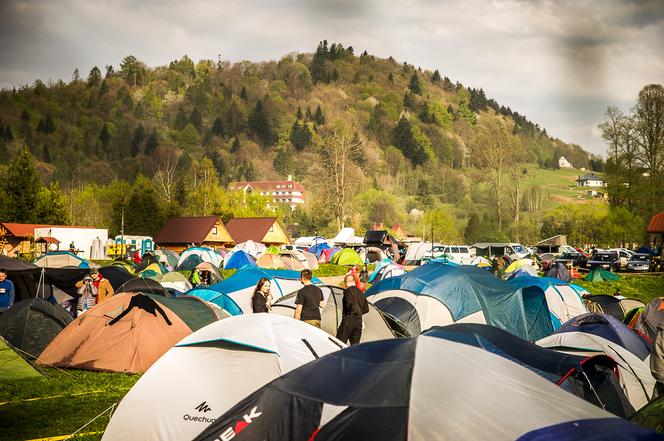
[(640, 287), (61, 404), (561, 183)]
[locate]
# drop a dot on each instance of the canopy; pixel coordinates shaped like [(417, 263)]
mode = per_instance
[(440, 294), (347, 256), (473, 394), (59, 259), (210, 371), (238, 259)]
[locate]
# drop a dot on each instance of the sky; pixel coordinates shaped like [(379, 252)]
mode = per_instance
[(558, 63)]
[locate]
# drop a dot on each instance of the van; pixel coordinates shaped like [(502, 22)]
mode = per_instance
[(494, 249), (456, 253)]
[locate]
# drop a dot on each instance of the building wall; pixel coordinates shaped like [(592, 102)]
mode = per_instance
[(221, 235), (276, 235), (82, 237)]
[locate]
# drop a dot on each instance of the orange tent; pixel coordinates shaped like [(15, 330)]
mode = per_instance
[(271, 261), (126, 333)]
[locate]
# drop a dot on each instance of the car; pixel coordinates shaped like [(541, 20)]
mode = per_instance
[(576, 259), (640, 262), (604, 259), (623, 255)]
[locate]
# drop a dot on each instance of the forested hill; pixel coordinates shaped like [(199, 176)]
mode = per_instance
[(120, 121)]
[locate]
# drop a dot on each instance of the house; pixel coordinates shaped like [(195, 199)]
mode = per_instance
[(181, 232), (398, 232), (656, 230), (16, 238), (282, 192), (590, 180), (564, 163), (265, 230)]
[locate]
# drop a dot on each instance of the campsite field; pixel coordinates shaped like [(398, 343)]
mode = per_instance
[(640, 287)]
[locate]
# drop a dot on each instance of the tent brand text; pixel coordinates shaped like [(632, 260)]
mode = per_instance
[(240, 425)]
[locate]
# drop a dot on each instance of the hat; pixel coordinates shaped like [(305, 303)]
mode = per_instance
[(94, 271)]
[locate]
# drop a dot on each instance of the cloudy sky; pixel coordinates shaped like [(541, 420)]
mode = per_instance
[(559, 63)]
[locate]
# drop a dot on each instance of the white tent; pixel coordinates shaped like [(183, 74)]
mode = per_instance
[(347, 236), (250, 247), (635, 377), (211, 370), (417, 251), (206, 255), (175, 281)]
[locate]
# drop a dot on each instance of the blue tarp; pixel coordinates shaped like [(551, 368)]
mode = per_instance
[(239, 259), (318, 248), (465, 290)]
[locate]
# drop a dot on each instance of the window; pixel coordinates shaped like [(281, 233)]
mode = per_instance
[(271, 228), (214, 230)]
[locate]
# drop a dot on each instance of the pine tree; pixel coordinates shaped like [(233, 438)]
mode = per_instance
[(47, 154), (22, 187), (218, 127), (298, 114), (308, 114), (152, 142), (300, 135), (180, 119), (472, 231), (94, 77), (243, 93), (235, 147), (46, 125), (105, 135), (319, 117), (284, 161), (317, 67), (435, 78), (415, 84), (390, 78), (412, 142), (76, 76), (196, 120), (259, 124), (137, 141)]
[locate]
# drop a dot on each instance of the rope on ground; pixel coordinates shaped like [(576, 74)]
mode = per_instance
[(63, 437), (2, 403), (37, 358), (109, 409)]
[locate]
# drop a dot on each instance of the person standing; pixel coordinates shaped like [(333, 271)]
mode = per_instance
[(104, 288), (657, 361), (261, 301), (355, 305), (309, 301), (87, 295), (7, 292)]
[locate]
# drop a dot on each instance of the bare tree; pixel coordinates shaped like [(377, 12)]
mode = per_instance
[(165, 177), (649, 130), (340, 149)]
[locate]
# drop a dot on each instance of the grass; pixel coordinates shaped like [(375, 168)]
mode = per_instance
[(640, 287), (60, 404), (561, 183)]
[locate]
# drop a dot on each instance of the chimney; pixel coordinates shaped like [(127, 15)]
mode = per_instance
[(290, 178)]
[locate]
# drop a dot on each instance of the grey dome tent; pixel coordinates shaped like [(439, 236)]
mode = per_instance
[(145, 286), (560, 272)]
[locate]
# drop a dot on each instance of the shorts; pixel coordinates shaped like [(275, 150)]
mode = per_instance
[(315, 323)]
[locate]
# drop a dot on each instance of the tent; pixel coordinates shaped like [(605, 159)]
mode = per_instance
[(423, 388), (24, 275), (167, 258), (126, 264), (635, 377), (234, 294), (211, 370), (651, 318), (238, 259), (522, 265), (191, 257), (312, 261), (563, 299), (559, 271), (481, 262), (146, 286), (616, 306), (147, 260), (318, 248), (126, 333), (327, 255), (384, 270), (347, 256), (175, 281), (440, 294), (294, 260), (154, 269), (116, 275), (30, 325), (272, 250), (601, 275), (651, 416), (376, 326), (59, 259), (372, 254), (215, 275), (589, 377), (13, 367), (270, 261), (254, 249), (609, 328)]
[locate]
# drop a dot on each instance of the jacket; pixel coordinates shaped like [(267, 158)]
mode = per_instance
[(657, 356), (104, 289)]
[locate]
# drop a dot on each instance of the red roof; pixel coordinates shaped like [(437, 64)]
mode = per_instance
[(28, 230), (656, 224), (186, 230), (267, 185), (243, 229), (47, 239)]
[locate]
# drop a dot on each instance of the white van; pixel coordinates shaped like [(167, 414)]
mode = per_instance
[(457, 253), (493, 249)]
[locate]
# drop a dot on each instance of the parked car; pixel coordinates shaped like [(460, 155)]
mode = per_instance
[(623, 254), (576, 259), (640, 262), (604, 259)]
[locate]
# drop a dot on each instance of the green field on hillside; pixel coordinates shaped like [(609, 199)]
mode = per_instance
[(561, 183)]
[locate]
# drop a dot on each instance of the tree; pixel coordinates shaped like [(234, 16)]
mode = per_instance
[(472, 231), (94, 77), (76, 76), (317, 67), (218, 127), (105, 135), (441, 224), (46, 125), (319, 117), (152, 142), (649, 131), (22, 188), (132, 70), (301, 135), (259, 124), (137, 141), (52, 207), (415, 84), (143, 214), (235, 147), (284, 161), (196, 119), (165, 177), (412, 142), (339, 150), (435, 78)]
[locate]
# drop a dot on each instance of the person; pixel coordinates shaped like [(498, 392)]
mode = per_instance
[(103, 287), (355, 305), (72, 247), (657, 361), (137, 257), (87, 295), (195, 277), (261, 301), (7, 292), (308, 301)]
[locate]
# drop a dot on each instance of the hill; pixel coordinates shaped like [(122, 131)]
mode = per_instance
[(419, 136)]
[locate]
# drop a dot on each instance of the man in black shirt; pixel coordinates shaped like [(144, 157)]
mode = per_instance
[(354, 306), (309, 301)]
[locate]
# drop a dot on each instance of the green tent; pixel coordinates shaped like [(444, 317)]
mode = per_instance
[(601, 275), (193, 311), (651, 416), (13, 366), (272, 250), (347, 256)]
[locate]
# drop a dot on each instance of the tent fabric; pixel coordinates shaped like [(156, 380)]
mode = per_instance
[(376, 327), (318, 248), (238, 259), (347, 256), (234, 294), (270, 261), (147, 260), (13, 367), (372, 254), (635, 377), (126, 333), (522, 264), (560, 272), (194, 312), (601, 275), (254, 249), (191, 257), (413, 395), (294, 260), (116, 275), (30, 325), (175, 281), (385, 272), (609, 328), (272, 250), (651, 319), (441, 294), (312, 261), (59, 259), (215, 275), (24, 275), (590, 378), (210, 371), (146, 286), (616, 306), (167, 258), (563, 300), (154, 269), (651, 416)]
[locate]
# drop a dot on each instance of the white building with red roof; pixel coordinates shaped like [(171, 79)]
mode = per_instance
[(282, 192)]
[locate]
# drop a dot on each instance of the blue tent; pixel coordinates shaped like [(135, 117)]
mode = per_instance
[(234, 294), (460, 292), (608, 327), (239, 259), (318, 248)]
